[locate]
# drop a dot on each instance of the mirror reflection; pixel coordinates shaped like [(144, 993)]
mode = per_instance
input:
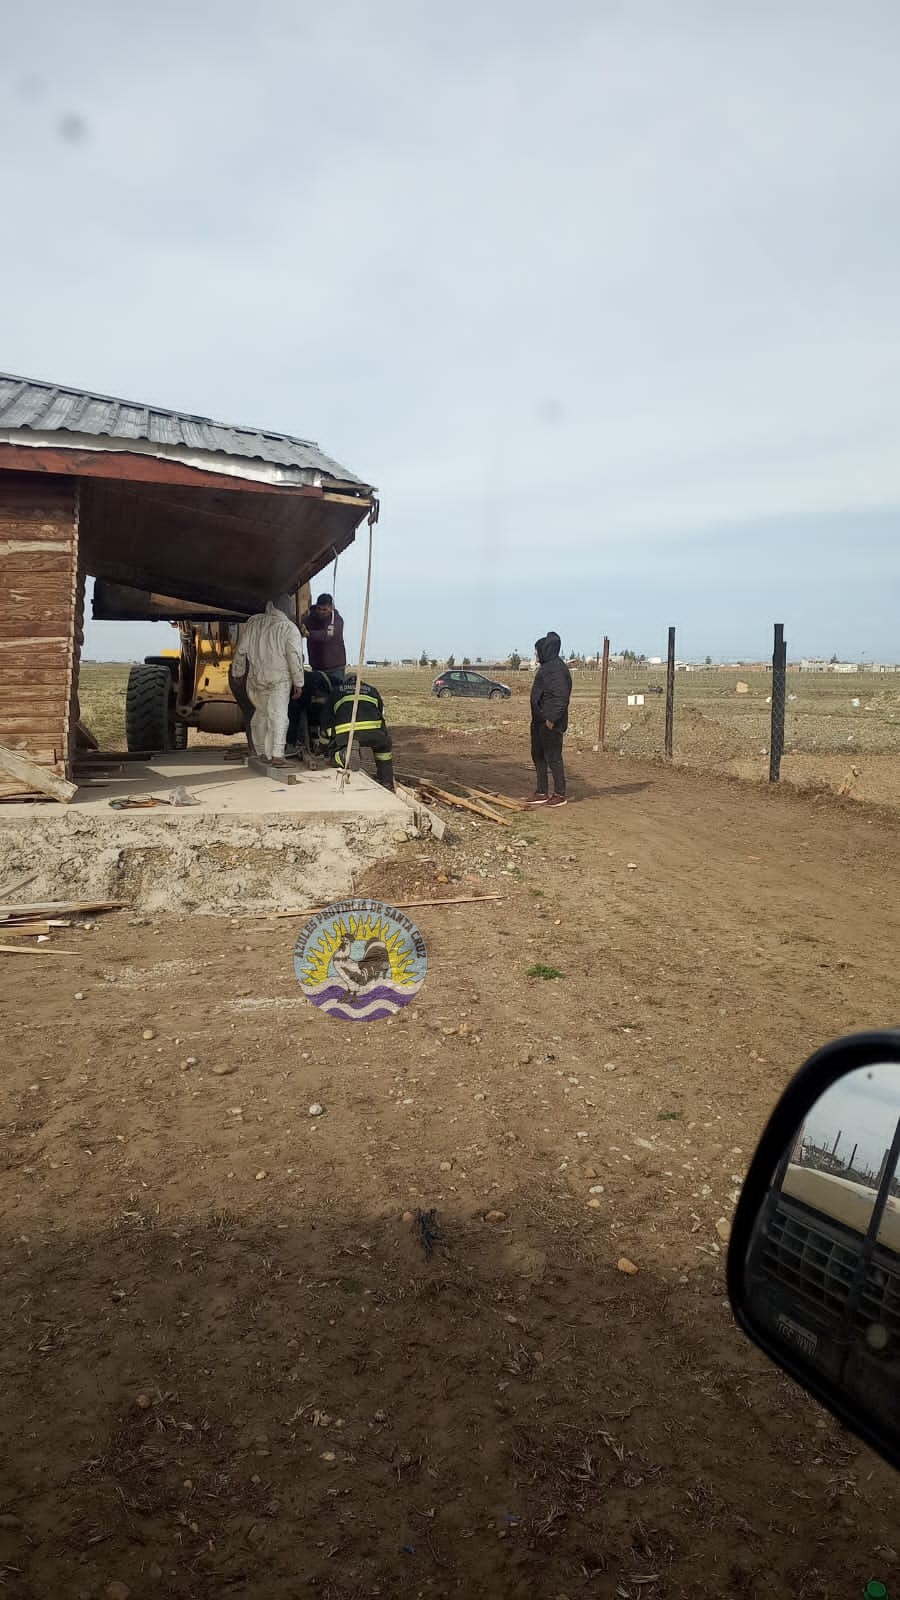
[(823, 1269)]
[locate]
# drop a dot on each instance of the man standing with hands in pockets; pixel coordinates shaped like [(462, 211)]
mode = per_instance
[(550, 694)]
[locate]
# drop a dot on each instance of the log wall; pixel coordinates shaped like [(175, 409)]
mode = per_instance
[(41, 596)]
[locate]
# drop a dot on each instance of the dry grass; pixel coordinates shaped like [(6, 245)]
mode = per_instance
[(101, 696), (716, 729)]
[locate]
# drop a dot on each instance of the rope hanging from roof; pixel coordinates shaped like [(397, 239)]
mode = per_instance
[(344, 772)]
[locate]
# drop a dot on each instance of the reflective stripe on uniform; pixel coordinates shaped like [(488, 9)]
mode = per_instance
[(361, 727), (384, 755), (347, 700)]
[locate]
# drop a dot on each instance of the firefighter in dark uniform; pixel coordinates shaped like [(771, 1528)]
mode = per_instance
[(371, 731), (307, 714)]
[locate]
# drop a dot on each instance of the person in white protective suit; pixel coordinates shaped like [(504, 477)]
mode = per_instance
[(270, 654)]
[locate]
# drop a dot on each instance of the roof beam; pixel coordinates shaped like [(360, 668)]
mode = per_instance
[(205, 593)]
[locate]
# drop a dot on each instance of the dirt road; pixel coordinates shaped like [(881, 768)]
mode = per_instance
[(228, 1367)]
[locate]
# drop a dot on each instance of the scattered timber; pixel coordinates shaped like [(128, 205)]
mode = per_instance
[(431, 791), (403, 905), (496, 799), (484, 795)]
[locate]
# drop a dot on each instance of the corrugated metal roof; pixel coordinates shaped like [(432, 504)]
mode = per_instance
[(52, 408)]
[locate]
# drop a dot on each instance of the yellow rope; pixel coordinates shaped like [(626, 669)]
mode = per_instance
[(344, 773)]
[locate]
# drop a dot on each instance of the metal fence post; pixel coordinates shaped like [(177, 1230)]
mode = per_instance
[(670, 694), (779, 678), (604, 685)]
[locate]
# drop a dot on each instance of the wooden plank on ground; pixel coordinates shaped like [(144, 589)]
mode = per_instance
[(402, 905), (35, 950), (24, 930), (48, 908), (40, 778)]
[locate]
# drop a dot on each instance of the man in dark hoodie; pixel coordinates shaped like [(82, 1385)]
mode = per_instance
[(550, 695)]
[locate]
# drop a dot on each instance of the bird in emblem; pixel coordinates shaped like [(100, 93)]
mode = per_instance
[(374, 963)]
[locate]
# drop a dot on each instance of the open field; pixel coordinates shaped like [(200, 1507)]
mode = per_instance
[(228, 1366), (716, 730)]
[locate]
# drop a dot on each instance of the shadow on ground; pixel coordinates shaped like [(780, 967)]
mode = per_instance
[(413, 757), (315, 1406)]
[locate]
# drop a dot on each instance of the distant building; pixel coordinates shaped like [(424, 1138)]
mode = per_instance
[(843, 666), (813, 665)]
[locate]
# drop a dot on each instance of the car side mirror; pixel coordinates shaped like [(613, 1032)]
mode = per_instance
[(814, 1256)]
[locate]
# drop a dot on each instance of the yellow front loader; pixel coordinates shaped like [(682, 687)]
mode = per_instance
[(188, 687)]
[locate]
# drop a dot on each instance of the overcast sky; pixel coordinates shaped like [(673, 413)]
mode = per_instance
[(863, 1108), (602, 296)]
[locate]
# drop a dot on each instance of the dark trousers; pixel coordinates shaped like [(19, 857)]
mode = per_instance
[(546, 751), (298, 724), (238, 687), (306, 712), (379, 741)]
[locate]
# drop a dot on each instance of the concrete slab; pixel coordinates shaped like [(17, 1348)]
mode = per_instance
[(253, 843), (221, 787)]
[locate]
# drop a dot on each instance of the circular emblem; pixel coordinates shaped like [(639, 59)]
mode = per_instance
[(360, 960)]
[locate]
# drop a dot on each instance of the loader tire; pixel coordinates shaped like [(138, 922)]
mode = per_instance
[(150, 722)]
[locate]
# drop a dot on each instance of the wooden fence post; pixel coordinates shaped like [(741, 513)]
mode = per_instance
[(779, 685), (604, 684), (670, 694)]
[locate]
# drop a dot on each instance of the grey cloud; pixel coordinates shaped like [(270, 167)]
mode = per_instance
[(404, 232)]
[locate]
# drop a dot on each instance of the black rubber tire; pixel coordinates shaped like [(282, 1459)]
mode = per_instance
[(150, 710), (444, 694), (497, 694)]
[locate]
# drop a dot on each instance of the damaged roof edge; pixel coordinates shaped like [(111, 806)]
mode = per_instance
[(252, 469), (32, 411)]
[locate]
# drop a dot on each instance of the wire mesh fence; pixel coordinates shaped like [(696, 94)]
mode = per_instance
[(769, 719)]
